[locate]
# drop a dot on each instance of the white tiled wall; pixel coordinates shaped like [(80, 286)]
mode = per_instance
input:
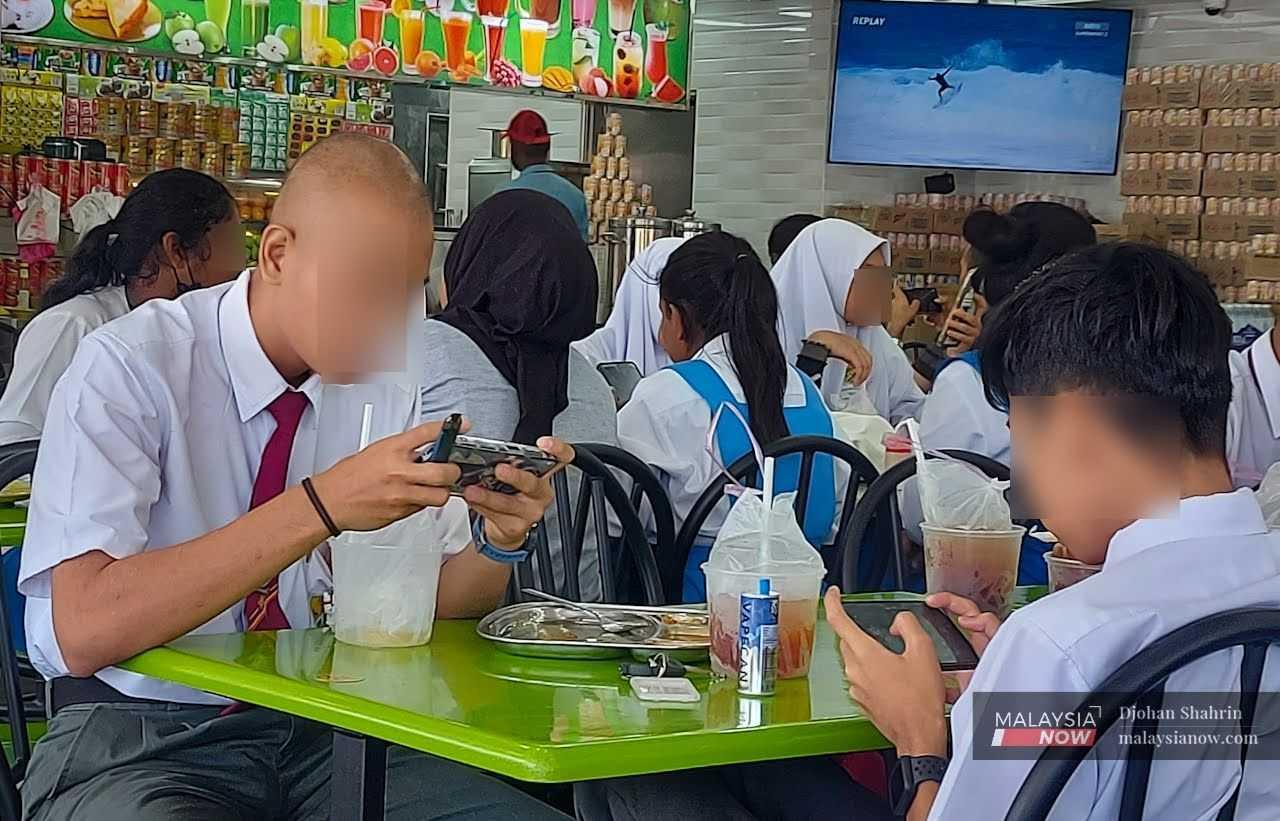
[(763, 71), (471, 111)]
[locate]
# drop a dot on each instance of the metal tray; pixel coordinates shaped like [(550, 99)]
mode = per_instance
[(546, 630)]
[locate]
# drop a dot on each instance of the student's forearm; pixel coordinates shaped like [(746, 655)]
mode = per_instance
[(471, 585), (926, 794), (106, 610)]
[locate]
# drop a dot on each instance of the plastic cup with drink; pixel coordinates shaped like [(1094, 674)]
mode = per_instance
[(385, 581), (760, 541)]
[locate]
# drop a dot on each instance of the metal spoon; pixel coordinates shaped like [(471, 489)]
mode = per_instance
[(607, 623)]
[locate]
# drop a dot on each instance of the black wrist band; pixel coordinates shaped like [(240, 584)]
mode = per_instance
[(315, 502)]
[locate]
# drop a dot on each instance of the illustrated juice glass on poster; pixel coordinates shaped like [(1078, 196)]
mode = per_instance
[(255, 18), (315, 28), (412, 27), (533, 46), (456, 26)]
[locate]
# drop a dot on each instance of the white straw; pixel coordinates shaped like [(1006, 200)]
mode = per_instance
[(768, 509), (366, 425)]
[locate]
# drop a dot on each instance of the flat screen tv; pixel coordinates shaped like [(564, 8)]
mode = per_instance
[(950, 85)]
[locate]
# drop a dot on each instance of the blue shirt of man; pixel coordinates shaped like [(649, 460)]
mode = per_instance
[(530, 148)]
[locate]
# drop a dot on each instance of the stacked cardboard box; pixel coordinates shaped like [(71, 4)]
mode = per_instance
[(1202, 164)]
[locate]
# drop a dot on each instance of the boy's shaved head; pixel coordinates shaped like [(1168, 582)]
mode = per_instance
[(350, 163), (346, 256)]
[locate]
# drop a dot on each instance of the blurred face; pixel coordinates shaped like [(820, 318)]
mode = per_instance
[(1082, 474), (226, 254), (216, 259), (351, 284), (870, 294), (673, 334)]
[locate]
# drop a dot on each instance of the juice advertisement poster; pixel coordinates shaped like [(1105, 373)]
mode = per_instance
[(635, 50)]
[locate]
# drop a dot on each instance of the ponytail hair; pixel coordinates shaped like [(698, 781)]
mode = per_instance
[(1011, 247), (718, 284), (177, 201)]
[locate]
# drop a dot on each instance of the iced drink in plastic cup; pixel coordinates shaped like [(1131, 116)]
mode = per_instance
[(981, 565), (1064, 572), (384, 596), (797, 617)]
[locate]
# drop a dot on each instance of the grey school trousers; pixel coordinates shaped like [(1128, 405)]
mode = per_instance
[(169, 762)]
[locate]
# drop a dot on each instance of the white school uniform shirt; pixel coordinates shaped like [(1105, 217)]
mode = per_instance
[(813, 277), (666, 425), (630, 334), (1212, 555), (154, 437), (44, 351), (1253, 421)]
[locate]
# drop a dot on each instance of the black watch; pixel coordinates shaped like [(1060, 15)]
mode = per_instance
[(813, 359), (908, 774)]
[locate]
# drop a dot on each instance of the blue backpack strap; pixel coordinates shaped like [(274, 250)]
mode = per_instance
[(811, 419), (732, 441)]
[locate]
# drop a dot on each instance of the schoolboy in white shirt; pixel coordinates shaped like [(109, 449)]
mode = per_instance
[(172, 497), (1113, 367), (1253, 424)]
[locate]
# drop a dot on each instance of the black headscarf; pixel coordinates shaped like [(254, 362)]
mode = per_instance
[(522, 285)]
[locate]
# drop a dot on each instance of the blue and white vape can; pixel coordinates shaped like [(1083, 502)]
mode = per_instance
[(758, 642)]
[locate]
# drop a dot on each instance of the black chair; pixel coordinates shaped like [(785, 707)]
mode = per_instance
[(878, 513), (646, 489), (745, 470), (8, 345), (1142, 679), (599, 492), (16, 460)]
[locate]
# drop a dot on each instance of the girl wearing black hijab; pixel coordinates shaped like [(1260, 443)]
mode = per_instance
[(519, 286)]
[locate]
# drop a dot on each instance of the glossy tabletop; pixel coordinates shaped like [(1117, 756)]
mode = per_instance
[(13, 524), (532, 719)]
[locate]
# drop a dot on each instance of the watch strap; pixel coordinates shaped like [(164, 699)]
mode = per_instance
[(484, 548), (910, 772)]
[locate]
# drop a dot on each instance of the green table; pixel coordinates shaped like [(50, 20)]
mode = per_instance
[(530, 719), (13, 525)]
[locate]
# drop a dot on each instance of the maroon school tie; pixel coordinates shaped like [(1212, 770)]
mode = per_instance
[(262, 609)]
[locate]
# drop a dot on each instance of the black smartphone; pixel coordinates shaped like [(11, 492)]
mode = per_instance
[(622, 378), (479, 458), (927, 297), (875, 618)]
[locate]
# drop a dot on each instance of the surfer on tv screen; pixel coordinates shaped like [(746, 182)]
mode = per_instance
[(941, 80)]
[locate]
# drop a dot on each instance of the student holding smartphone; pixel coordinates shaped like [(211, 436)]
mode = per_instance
[(1007, 250), (719, 315)]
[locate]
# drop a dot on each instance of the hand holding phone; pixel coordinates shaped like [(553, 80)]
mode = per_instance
[(478, 458), (876, 617)]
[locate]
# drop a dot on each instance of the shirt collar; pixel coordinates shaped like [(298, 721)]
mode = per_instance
[(255, 382), (537, 168), (1266, 369), (1199, 517)]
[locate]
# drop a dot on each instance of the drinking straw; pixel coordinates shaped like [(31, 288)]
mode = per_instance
[(768, 510), (366, 425)]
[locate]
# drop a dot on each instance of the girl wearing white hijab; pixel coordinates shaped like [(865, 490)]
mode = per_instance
[(631, 332), (829, 292)]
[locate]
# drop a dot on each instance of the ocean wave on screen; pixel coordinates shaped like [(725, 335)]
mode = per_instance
[(1058, 119)]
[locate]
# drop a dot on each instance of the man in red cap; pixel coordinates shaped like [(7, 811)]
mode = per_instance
[(530, 148)]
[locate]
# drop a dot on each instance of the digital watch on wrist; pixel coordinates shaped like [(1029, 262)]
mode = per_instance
[(813, 359), (908, 774), (485, 548)]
